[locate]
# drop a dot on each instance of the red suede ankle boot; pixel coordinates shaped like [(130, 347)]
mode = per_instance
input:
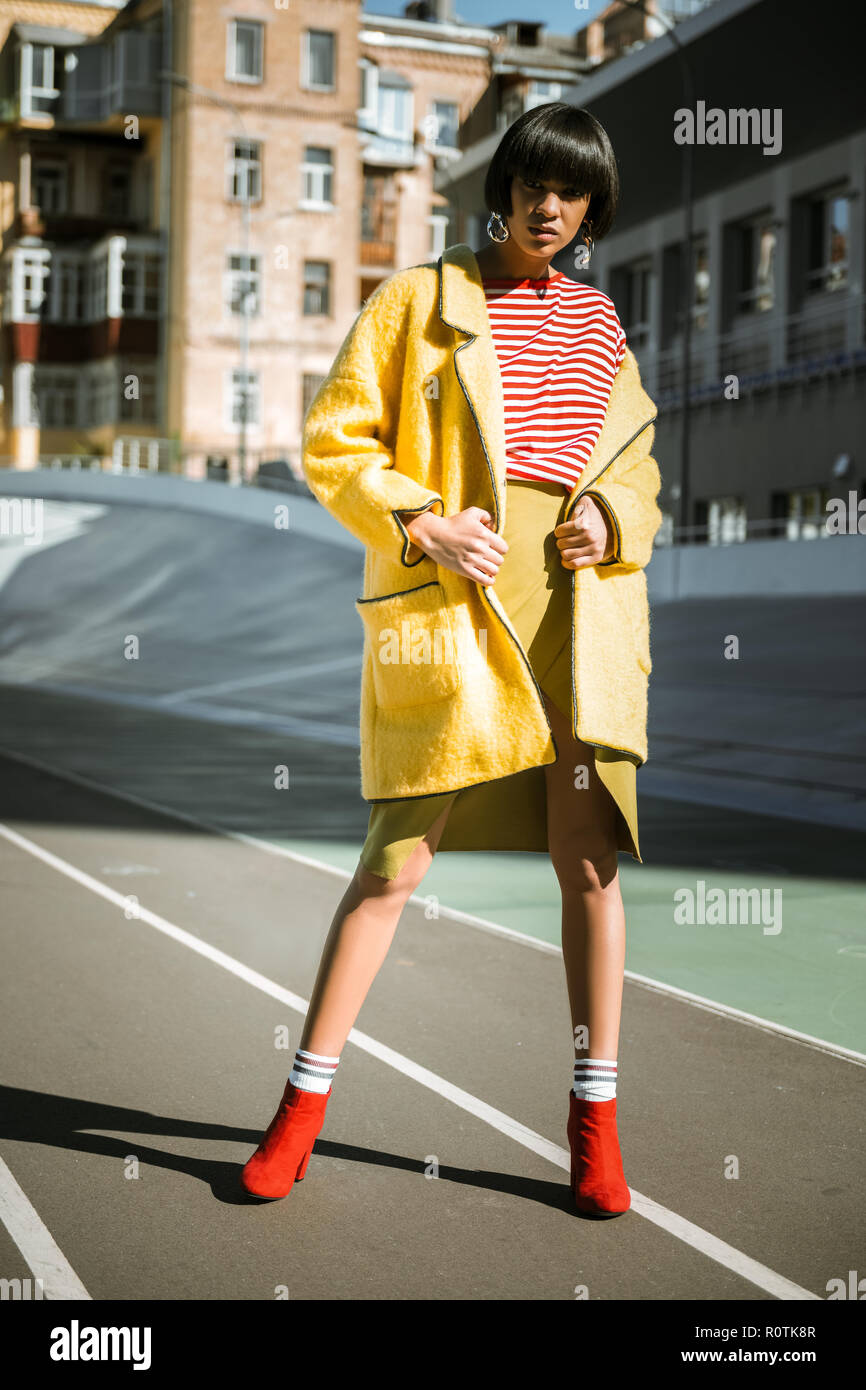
[(597, 1179), (284, 1152)]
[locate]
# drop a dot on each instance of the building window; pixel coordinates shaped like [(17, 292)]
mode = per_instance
[(49, 186), (243, 288), (137, 392), (38, 92), (317, 287), (320, 53), (442, 229), (245, 171), (245, 50), (57, 397), (721, 520), (140, 295), (828, 243), (97, 297), (393, 139), (379, 219), (395, 111), (117, 191), (116, 51), (800, 515), (538, 93), (665, 534), (244, 392), (66, 288), (701, 281), (309, 386), (317, 173), (512, 107), (378, 194), (756, 269), (443, 125), (101, 394), (633, 302)]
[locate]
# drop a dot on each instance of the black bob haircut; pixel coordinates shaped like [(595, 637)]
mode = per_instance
[(560, 142)]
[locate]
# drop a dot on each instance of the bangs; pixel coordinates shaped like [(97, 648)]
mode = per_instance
[(564, 152), (560, 143)]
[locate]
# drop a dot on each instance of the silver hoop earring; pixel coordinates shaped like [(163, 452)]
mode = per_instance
[(583, 254), (497, 228)]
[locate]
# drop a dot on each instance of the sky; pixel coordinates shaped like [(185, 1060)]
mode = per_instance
[(560, 16)]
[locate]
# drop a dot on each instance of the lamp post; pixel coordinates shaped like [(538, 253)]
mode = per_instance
[(181, 81), (686, 278)]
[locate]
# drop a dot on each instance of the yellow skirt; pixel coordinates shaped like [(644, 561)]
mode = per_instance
[(534, 589)]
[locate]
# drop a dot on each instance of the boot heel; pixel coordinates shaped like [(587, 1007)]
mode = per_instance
[(303, 1168)]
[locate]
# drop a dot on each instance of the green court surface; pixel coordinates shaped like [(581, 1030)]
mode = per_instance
[(810, 975)]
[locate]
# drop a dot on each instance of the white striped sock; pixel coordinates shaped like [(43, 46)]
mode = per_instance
[(313, 1072), (594, 1078)]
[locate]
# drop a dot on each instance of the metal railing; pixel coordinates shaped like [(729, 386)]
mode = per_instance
[(741, 531), (773, 349)]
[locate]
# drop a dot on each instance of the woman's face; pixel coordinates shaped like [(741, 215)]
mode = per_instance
[(559, 208)]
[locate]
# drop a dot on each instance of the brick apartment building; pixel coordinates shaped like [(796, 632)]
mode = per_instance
[(194, 206)]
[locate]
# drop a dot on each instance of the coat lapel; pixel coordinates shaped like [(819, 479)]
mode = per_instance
[(463, 306)]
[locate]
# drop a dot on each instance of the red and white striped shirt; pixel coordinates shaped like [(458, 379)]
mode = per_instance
[(558, 355)]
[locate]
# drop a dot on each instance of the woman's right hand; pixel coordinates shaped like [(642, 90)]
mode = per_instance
[(465, 543)]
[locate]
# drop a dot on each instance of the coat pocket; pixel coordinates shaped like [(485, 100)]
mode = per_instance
[(411, 640)]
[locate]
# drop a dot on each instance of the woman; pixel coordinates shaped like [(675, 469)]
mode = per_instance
[(484, 426)]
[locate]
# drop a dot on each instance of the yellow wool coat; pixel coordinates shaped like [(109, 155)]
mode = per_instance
[(411, 416)]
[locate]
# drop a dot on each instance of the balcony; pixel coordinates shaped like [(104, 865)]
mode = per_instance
[(391, 151), (65, 226), (825, 338), (379, 253), (112, 78), (65, 289), (53, 75)]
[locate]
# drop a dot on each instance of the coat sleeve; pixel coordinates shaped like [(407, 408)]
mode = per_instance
[(628, 492), (347, 458)]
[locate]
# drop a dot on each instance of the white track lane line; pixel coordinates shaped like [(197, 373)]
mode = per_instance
[(699, 1239), (766, 1025), (36, 1243)]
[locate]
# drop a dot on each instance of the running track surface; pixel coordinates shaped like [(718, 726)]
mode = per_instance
[(123, 1040)]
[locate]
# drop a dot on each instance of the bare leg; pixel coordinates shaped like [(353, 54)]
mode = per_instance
[(582, 834), (358, 942)]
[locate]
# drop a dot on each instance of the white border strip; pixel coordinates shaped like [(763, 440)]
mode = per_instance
[(36, 1243), (766, 1025), (694, 1236)]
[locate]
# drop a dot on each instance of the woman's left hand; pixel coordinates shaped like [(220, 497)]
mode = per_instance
[(587, 537)]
